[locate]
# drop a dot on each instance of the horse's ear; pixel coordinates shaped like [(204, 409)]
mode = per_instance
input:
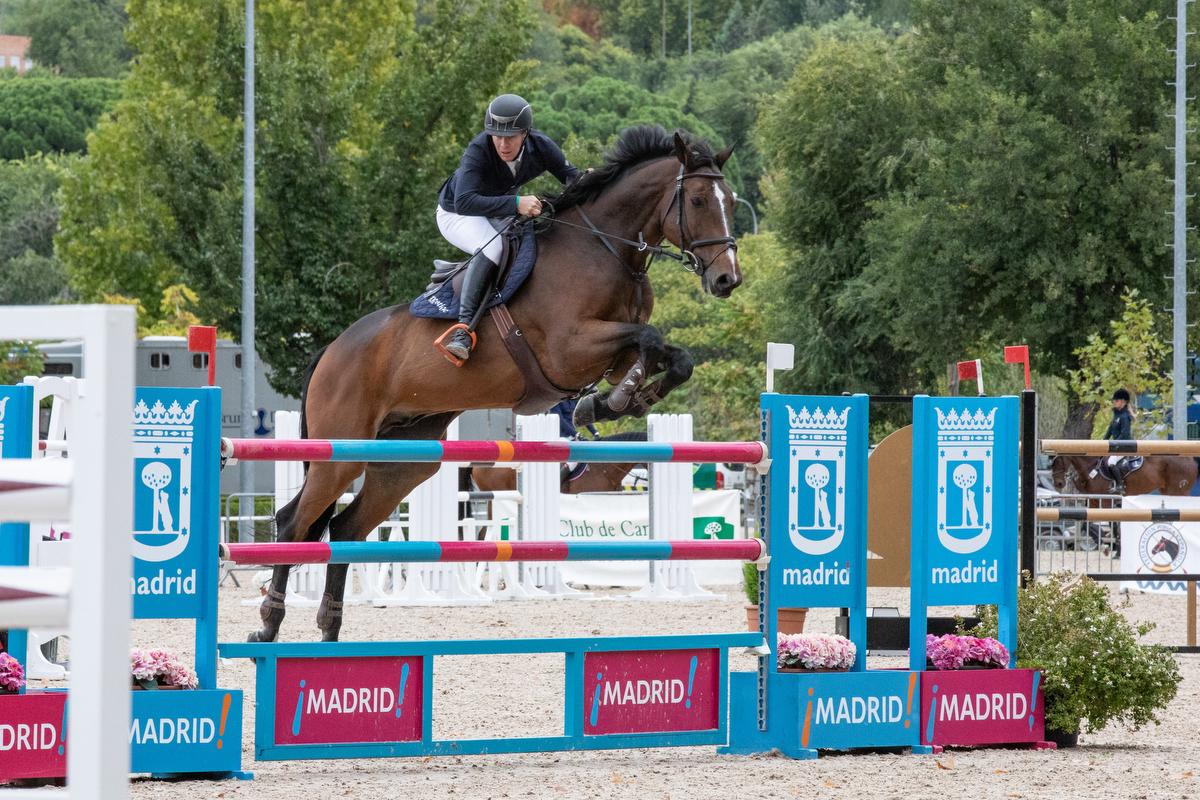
[(681, 148), (723, 156)]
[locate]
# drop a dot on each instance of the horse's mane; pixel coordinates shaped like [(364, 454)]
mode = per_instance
[(633, 146)]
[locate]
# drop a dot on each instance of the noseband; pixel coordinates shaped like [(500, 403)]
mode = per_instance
[(692, 262)]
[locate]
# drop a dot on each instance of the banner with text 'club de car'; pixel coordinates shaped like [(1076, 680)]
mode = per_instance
[(964, 510), (818, 489)]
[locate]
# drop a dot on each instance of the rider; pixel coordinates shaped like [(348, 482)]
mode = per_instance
[(1121, 426), (497, 163)]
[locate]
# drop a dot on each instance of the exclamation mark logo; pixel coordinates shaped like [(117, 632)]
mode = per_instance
[(807, 720), (403, 685), (224, 717), (932, 715), (596, 699), (1037, 678), (63, 739), (691, 681), (299, 708), (912, 684)]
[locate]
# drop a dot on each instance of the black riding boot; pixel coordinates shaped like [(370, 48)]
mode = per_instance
[(480, 273)]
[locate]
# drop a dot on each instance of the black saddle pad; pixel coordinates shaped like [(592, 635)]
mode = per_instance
[(441, 301)]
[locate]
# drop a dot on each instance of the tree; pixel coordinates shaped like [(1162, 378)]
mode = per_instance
[(30, 274), (1134, 357), (996, 175), (51, 115), (77, 38), (362, 113)]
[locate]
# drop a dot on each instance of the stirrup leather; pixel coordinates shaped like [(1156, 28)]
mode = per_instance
[(440, 342)]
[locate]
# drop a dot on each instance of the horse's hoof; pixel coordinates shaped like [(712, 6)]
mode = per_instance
[(585, 411)]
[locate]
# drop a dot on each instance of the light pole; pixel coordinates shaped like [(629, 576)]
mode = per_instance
[(753, 215), (249, 359)]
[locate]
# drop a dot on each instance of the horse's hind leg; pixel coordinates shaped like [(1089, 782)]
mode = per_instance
[(303, 519), (385, 486)]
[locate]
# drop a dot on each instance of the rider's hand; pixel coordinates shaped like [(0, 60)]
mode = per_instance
[(529, 206)]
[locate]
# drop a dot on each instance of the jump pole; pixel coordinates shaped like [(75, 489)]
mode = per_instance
[(484, 452), (445, 552), (1120, 447), (1119, 514)]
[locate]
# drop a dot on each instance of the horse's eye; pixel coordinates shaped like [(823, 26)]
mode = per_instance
[(697, 201)]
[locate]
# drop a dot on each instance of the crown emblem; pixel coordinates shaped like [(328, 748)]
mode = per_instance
[(163, 422), (818, 420), (966, 422)]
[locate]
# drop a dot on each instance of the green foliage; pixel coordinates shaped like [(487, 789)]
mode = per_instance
[(30, 274), (362, 113), (18, 359), (1000, 172), (1134, 358), (1094, 667), (77, 38), (51, 115), (833, 137), (727, 338), (750, 582)]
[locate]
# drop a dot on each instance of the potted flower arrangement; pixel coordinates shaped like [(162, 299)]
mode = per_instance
[(964, 652), (159, 669), (1093, 666), (12, 676), (814, 652), (789, 620)]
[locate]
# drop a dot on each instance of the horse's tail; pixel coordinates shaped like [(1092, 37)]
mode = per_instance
[(308, 373)]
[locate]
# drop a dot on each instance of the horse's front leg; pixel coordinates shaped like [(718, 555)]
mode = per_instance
[(628, 397), (677, 366)]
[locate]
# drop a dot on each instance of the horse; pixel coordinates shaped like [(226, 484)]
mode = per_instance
[(583, 313), (1166, 545), (584, 478), (1169, 475)]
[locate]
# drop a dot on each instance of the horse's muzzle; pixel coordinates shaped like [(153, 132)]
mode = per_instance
[(722, 285)]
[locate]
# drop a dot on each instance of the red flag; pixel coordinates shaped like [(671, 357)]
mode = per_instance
[(203, 339), (971, 371), (1019, 354)]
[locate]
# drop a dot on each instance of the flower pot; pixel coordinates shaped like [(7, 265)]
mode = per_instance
[(929, 667), (137, 687), (789, 620), (1062, 738)]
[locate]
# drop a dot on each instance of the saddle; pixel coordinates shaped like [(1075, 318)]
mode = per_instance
[(440, 300), (1117, 473)]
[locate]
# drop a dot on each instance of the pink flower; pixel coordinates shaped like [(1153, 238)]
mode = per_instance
[(161, 667), (952, 652), (815, 651), (12, 676)]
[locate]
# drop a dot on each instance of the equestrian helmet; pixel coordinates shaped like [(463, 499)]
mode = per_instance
[(1121, 394), (507, 115)]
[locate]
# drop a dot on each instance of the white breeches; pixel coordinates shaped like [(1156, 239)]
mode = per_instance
[(469, 233)]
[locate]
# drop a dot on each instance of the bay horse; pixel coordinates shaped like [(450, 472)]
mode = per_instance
[(1169, 475), (586, 478), (583, 311)]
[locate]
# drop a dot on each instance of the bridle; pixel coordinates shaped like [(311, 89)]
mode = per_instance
[(693, 263), (686, 255)]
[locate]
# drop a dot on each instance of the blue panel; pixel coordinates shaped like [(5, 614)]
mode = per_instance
[(964, 509), (818, 500), (16, 441), (186, 731), (173, 503)]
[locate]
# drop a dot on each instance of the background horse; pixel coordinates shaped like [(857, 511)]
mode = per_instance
[(584, 478), (583, 312), (1169, 475)]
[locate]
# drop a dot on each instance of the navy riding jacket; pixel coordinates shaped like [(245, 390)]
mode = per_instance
[(484, 186), (1121, 426)]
